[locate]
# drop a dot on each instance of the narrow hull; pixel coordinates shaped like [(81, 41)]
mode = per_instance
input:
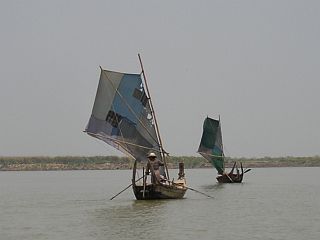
[(158, 191), (230, 178)]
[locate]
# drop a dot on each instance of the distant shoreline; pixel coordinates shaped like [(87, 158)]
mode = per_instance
[(114, 163)]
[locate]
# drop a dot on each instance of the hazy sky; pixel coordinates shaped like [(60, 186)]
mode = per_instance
[(254, 63)]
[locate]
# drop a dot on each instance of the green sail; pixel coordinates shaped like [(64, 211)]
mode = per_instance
[(211, 147)]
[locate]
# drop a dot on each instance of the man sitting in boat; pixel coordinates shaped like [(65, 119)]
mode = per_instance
[(153, 166)]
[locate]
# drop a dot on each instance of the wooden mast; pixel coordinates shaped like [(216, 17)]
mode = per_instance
[(154, 115), (223, 157)]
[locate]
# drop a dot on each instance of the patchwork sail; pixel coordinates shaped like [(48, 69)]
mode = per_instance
[(122, 115), (211, 147)]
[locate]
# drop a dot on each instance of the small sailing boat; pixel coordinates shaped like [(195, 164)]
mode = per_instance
[(123, 117), (211, 148)]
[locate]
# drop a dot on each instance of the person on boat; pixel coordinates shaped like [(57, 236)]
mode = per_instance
[(238, 173), (153, 166)]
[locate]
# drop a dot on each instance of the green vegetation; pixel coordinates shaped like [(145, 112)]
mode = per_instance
[(64, 163), (114, 162)]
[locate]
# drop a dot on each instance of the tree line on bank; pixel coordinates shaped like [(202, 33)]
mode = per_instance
[(116, 162)]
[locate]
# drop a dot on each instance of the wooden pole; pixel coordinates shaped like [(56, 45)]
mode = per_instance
[(124, 189), (223, 158), (192, 189), (144, 183), (154, 115), (229, 177)]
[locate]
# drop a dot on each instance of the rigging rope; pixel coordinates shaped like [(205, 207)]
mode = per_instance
[(120, 141), (129, 107)]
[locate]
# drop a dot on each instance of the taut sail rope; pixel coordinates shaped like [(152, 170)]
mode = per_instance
[(123, 146), (130, 109), (124, 142), (212, 155)]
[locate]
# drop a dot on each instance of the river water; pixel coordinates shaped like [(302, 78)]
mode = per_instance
[(271, 203)]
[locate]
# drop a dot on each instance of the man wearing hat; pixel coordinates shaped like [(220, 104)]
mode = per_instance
[(153, 166)]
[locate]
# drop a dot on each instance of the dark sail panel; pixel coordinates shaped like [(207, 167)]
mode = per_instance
[(211, 147)]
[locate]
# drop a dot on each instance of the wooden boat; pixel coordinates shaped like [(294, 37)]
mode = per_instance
[(232, 177), (160, 190), (123, 117), (211, 148)]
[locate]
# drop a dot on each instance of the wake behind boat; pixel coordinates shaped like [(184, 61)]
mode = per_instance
[(123, 117)]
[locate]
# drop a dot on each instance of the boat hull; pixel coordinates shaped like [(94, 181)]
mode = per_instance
[(230, 178), (158, 191)]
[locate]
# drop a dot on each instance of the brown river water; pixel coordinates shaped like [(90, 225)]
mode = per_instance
[(271, 203)]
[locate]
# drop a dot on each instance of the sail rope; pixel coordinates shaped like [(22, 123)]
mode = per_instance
[(129, 107), (222, 145), (124, 142), (212, 155), (125, 147), (100, 144), (163, 152)]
